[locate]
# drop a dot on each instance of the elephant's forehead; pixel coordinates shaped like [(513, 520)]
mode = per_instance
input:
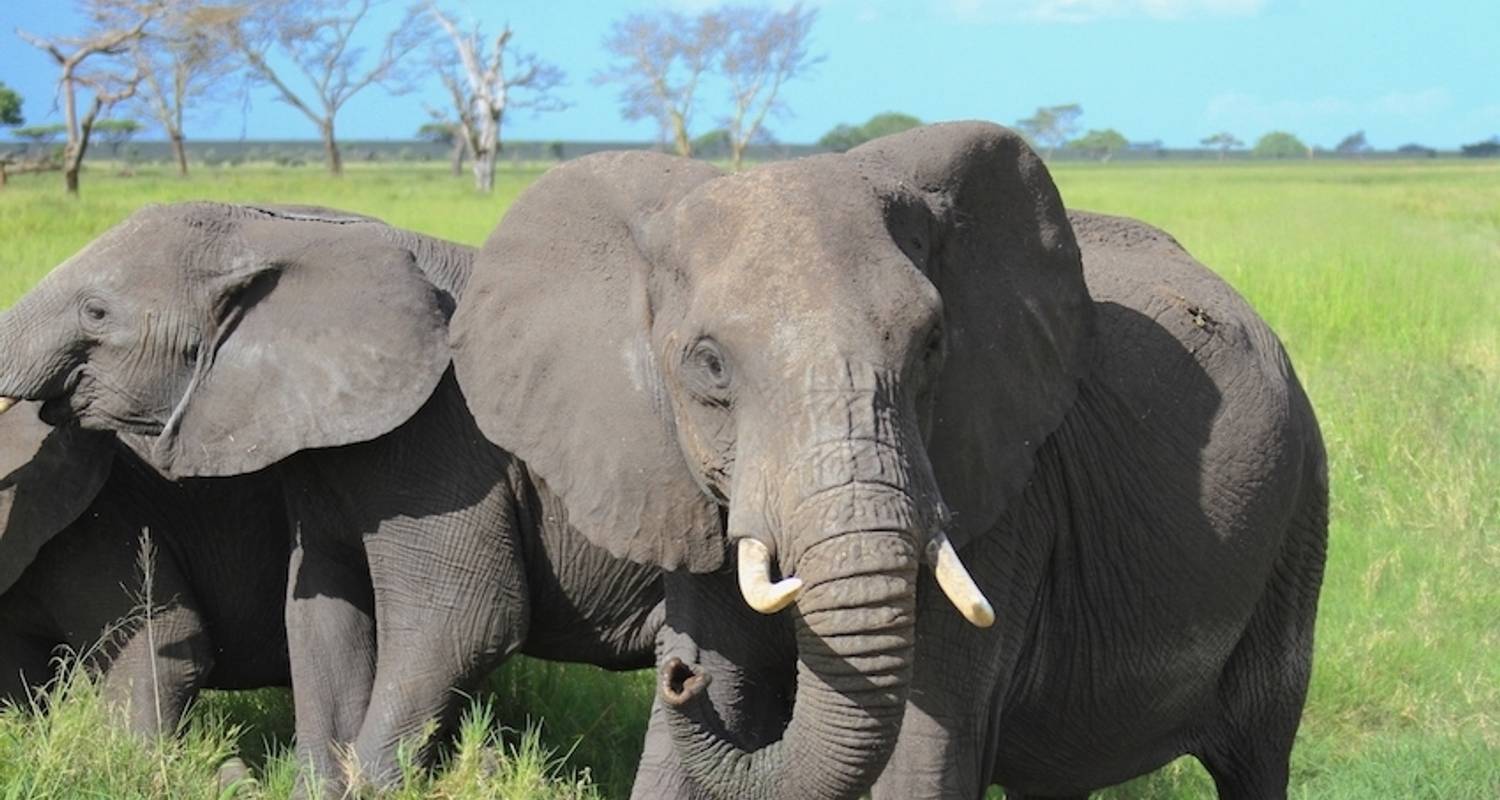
[(142, 251)]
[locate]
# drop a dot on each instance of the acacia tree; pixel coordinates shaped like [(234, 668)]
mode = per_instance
[(10, 116), (482, 93), (89, 63), (1051, 126), (316, 37), (660, 58), (1222, 141), (763, 50), (116, 132), (442, 130), (10, 107), (1100, 144), (181, 63)]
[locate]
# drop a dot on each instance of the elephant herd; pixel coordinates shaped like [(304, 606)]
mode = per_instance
[(907, 480)]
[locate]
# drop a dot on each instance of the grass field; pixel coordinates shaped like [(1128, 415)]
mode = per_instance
[(1382, 279)]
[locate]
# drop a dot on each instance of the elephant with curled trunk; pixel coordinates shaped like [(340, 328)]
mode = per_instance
[(310, 347), (946, 502)]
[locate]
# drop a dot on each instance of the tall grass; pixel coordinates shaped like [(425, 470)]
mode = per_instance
[(1382, 279)]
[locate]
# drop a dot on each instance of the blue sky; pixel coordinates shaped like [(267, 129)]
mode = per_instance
[(1174, 70)]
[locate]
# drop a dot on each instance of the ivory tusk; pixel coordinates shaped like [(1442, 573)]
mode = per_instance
[(755, 579), (956, 582), (6, 403)]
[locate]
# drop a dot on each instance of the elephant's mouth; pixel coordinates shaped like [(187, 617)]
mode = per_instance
[(80, 403)]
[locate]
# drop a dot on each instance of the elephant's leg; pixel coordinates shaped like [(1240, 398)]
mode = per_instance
[(26, 666), (450, 603), (1248, 748), (936, 757), (660, 773), (331, 642), (159, 656)]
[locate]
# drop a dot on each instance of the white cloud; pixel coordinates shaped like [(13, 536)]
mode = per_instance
[(1079, 11)]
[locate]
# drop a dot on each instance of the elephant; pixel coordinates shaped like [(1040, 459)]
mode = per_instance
[(951, 491), (78, 510), (219, 342)]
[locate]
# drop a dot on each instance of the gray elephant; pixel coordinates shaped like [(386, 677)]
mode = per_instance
[(220, 341), (841, 368), (74, 505)]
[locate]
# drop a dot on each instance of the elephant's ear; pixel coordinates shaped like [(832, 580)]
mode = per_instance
[(325, 336), (48, 478), (551, 349), (1017, 315)]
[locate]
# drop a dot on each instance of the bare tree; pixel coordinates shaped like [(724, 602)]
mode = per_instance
[(659, 60), (316, 36), (482, 93), (89, 63), (765, 49), (180, 63)]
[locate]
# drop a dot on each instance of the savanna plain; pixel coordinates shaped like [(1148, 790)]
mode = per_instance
[(1383, 280)]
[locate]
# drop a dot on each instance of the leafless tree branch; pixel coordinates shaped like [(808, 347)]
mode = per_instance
[(483, 90)]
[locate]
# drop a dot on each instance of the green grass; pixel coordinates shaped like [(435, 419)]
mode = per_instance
[(1383, 279)]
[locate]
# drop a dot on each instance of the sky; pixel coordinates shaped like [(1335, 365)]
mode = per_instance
[(1169, 70)]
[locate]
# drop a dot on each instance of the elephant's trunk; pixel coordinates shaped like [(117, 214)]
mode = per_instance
[(35, 358), (854, 628)]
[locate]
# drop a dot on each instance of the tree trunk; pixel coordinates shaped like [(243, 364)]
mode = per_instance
[(331, 149), (460, 147), (736, 153), (4, 178), (179, 150), (680, 136), (484, 171)]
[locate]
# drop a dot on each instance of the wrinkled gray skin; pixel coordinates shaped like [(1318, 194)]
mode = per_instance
[(220, 341), (73, 505), (848, 353)]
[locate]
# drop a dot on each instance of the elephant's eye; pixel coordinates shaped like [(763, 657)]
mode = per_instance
[(93, 313), (708, 370), (934, 348)]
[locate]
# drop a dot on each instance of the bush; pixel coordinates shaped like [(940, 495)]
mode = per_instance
[(1279, 144)]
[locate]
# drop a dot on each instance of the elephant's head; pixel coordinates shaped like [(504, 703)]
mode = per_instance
[(856, 355), (220, 339), (48, 479)]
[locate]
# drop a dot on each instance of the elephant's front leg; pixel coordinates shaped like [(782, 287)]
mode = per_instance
[(331, 643), (450, 603)]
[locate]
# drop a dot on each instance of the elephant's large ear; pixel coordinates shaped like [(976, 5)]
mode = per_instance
[(48, 478), (551, 349), (1018, 317), (326, 336)]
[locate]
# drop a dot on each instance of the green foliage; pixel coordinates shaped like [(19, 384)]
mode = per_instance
[(1488, 148), (41, 134), (1379, 278), (846, 137), (10, 106), (1223, 141), (439, 131), (1353, 144), (1100, 144), (713, 144), (1279, 144), (1051, 126)]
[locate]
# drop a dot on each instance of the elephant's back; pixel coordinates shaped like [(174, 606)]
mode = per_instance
[(1203, 378)]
